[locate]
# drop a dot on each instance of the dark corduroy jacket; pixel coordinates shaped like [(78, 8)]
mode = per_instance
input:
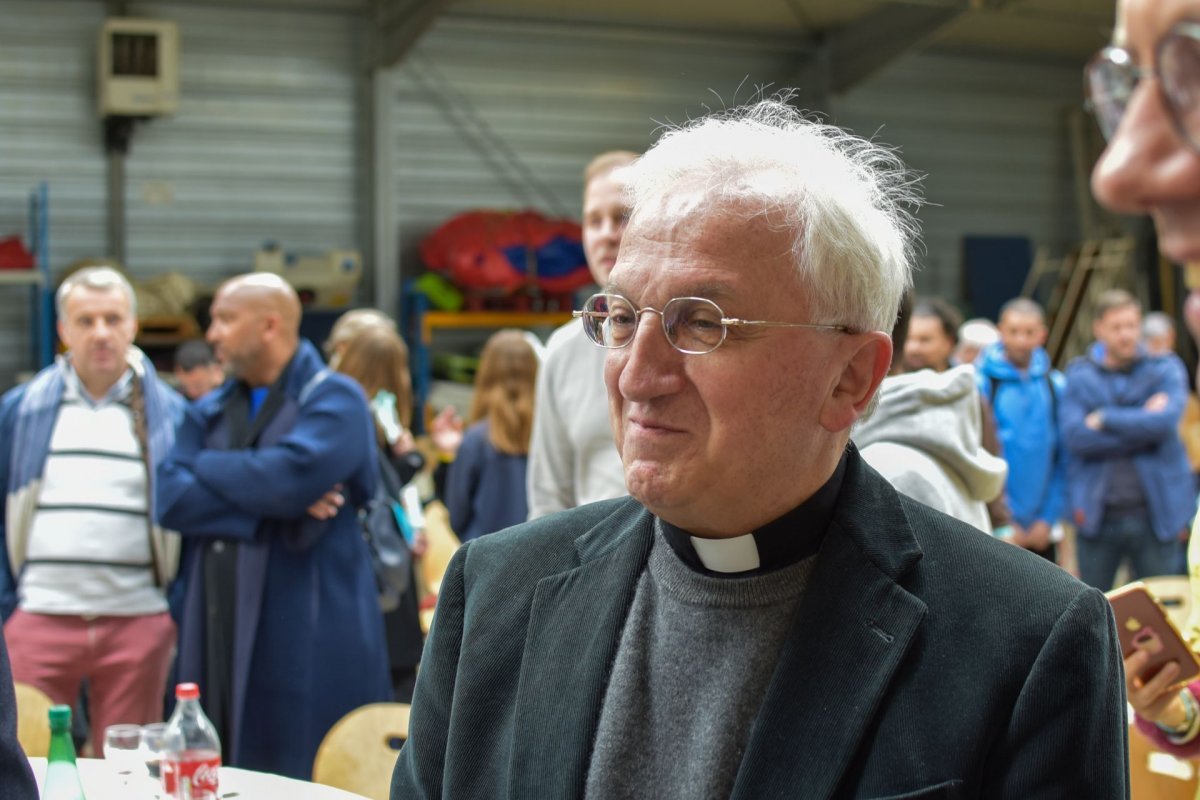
[(927, 660), (16, 779)]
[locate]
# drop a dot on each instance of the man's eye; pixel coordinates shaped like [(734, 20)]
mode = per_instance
[(703, 323)]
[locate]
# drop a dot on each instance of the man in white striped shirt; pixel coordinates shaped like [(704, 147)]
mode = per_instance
[(85, 563)]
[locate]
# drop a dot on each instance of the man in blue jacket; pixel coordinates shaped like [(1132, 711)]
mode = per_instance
[(1130, 484), (1024, 390), (281, 625)]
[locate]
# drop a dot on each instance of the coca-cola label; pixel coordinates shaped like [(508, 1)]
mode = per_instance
[(192, 775)]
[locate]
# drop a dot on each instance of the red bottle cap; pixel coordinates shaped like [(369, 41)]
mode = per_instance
[(187, 691)]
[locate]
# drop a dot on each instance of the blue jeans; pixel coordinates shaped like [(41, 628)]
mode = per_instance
[(1124, 534)]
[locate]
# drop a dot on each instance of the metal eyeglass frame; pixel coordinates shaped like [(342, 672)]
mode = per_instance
[(1120, 58), (725, 322)]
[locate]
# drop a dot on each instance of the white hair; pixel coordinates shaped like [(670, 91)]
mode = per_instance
[(1156, 324), (843, 198), (99, 279), (979, 332)]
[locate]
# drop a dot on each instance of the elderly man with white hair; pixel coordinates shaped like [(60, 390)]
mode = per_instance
[(765, 616)]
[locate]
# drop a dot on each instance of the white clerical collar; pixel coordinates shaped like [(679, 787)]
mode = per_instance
[(738, 554), (791, 538)]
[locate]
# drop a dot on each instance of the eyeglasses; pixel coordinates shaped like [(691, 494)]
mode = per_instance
[(693, 325), (1111, 77)]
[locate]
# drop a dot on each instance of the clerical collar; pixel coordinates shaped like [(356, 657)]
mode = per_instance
[(784, 541)]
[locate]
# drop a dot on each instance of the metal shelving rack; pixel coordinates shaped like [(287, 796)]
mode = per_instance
[(38, 278)]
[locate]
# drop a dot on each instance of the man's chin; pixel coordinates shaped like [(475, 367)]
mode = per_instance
[(650, 485), (103, 362)]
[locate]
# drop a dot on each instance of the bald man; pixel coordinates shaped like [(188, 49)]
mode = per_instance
[(280, 626)]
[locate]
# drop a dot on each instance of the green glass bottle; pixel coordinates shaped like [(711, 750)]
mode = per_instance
[(62, 776)]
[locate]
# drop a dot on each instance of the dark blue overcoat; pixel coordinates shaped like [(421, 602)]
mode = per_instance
[(308, 641)]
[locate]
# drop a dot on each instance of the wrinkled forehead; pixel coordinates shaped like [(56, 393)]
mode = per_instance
[(1120, 34), (686, 229), (91, 298), (231, 300), (715, 227), (1141, 23), (1122, 316)]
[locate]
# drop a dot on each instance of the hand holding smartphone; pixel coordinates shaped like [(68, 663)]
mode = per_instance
[(383, 406), (1143, 624)]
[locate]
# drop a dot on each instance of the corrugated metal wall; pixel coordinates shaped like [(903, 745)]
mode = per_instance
[(554, 96), (487, 113), (265, 144), (990, 136), (48, 132)]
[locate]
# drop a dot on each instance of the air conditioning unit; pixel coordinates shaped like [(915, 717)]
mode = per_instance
[(139, 67), (323, 280)]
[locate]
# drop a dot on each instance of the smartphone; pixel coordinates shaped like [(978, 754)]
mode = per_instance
[(384, 408), (1143, 624)]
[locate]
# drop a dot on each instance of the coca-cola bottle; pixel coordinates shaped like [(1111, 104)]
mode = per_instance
[(192, 756)]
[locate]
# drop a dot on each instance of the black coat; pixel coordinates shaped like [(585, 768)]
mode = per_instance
[(16, 779), (927, 660)]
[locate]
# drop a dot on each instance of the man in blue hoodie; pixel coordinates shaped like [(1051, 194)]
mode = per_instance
[(1016, 376), (1130, 484)]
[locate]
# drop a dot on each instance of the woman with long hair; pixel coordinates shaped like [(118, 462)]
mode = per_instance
[(485, 488), (376, 357)]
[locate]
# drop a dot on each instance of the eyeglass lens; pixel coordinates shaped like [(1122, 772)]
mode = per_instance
[(1112, 78), (692, 324), (1110, 84), (1179, 65)]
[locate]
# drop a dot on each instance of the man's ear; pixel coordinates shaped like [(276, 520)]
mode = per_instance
[(271, 325), (868, 363)]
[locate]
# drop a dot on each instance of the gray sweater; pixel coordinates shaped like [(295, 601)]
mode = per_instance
[(695, 658)]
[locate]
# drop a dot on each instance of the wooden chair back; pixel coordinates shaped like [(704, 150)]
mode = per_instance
[(1154, 775), (359, 752), (441, 545), (33, 720)]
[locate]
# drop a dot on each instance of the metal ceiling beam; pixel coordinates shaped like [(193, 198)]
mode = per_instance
[(400, 24), (859, 50)]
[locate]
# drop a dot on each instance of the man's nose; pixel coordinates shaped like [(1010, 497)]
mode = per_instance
[(1129, 175), (652, 366)]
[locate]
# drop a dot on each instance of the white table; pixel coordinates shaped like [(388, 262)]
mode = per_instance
[(101, 782)]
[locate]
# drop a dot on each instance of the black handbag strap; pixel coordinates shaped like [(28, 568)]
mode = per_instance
[(389, 479)]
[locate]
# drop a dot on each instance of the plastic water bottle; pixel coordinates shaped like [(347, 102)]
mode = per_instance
[(192, 760), (62, 776)]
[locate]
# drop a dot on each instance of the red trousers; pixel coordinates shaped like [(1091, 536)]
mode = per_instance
[(125, 661)]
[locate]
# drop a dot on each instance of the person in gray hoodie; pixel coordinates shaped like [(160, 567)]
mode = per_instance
[(925, 438)]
